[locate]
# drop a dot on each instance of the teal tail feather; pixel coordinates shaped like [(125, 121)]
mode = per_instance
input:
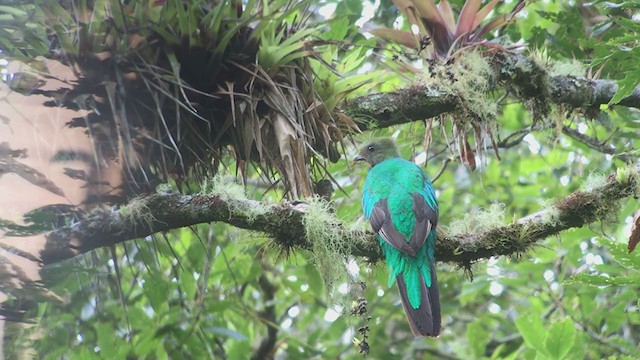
[(425, 319)]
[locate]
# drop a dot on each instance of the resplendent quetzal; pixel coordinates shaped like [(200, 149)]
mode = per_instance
[(399, 201)]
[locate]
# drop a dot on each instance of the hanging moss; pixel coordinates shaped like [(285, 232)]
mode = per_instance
[(471, 78), (329, 245)]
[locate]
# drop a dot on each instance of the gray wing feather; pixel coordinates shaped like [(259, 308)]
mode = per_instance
[(382, 224)]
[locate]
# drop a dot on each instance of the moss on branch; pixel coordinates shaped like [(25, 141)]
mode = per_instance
[(287, 223), (533, 83)]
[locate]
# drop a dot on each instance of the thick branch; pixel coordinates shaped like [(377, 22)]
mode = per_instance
[(285, 223), (531, 81)]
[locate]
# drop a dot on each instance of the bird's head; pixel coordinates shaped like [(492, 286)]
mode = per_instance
[(377, 150)]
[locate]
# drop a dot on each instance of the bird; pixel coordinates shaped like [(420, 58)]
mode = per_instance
[(400, 203)]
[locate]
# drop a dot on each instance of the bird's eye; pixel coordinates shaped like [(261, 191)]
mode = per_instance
[(370, 148)]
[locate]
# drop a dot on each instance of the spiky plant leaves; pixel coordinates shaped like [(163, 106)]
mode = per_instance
[(496, 23), (404, 38), (174, 83), (467, 18), (437, 23), (447, 15), (430, 21), (484, 12)]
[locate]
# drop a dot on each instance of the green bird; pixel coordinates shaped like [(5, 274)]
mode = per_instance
[(399, 201)]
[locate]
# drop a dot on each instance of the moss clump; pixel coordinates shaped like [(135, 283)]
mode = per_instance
[(233, 193), (566, 68), (594, 181), (329, 246), (586, 207), (474, 80), (136, 212), (478, 220), (549, 214), (225, 187), (164, 189), (471, 78)]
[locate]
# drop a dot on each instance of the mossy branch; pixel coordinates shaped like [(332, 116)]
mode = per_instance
[(529, 81), (285, 223)]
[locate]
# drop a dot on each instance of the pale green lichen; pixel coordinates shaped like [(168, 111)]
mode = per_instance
[(223, 186), (571, 67), (234, 194), (551, 216), (329, 246), (594, 181), (550, 213), (474, 78), (136, 212), (540, 59), (164, 188), (471, 78), (478, 220)]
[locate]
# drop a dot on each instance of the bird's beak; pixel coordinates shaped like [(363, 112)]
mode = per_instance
[(359, 158)]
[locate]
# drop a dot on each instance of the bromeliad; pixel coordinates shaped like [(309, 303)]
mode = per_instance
[(399, 201)]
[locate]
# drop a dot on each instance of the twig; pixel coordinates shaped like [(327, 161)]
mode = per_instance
[(594, 143)]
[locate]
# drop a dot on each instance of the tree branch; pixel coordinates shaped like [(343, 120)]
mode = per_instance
[(285, 223), (531, 81)]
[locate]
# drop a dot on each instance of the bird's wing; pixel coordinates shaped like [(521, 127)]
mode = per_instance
[(426, 219), (381, 223)]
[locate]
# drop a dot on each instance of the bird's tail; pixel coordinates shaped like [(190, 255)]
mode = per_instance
[(424, 320)]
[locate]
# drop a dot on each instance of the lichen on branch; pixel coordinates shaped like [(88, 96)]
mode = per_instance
[(288, 224)]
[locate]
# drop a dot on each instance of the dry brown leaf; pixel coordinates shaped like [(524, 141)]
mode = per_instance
[(467, 155), (634, 238)]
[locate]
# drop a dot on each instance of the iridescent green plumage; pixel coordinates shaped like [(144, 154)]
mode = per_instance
[(399, 201)]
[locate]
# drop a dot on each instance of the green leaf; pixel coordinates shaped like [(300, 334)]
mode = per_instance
[(560, 339), (106, 335), (156, 292), (188, 284), (13, 10), (313, 277), (626, 86), (478, 337), (620, 254), (226, 332), (471, 292), (600, 280), (532, 331), (338, 29)]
